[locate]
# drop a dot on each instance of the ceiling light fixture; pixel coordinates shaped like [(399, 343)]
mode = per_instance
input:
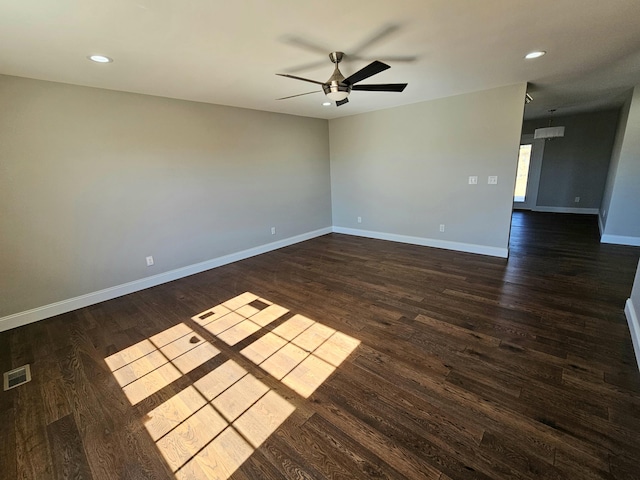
[(336, 94), (547, 133), (326, 104), (532, 55), (100, 59)]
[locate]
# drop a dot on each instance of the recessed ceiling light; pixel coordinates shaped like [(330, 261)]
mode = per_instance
[(100, 59), (536, 54), (326, 104)]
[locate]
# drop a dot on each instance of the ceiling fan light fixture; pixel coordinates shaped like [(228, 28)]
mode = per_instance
[(336, 91), (337, 96)]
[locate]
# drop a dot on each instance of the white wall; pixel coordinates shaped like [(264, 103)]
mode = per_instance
[(622, 194), (632, 311), (613, 164), (635, 293), (405, 170), (92, 181)]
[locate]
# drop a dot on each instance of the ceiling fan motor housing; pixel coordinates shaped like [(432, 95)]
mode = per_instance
[(334, 88), (336, 57)]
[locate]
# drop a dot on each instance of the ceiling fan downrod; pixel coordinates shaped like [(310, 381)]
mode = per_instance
[(335, 88)]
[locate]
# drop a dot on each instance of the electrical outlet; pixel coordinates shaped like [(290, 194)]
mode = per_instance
[(359, 219), (273, 230), (577, 200), (473, 180), (493, 180), (149, 261), (442, 227)]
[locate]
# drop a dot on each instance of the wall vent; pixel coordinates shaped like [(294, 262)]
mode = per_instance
[(17, 377)]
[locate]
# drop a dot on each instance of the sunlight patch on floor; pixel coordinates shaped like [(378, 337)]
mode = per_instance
[(208, 429), (226, 407), (150, 365), (301, 353)]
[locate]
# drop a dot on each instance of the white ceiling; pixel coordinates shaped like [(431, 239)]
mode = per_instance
[(227, 52)]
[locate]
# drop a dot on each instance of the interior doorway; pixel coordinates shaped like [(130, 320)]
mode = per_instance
[(525, 195)]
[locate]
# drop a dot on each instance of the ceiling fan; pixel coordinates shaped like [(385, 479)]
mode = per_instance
[(338, 88)]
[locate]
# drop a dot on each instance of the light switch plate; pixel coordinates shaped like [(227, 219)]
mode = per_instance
[(473, 180), (493, 180)]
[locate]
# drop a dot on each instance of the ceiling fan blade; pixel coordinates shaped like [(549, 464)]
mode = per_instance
[(366, 72), (381, 87), (377, 36), (390, 58), (307, 66), (299, 78), (305, 44), (299, 95), (342, 102)]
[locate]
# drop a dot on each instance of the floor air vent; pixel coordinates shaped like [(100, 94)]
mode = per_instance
[(17, 377)]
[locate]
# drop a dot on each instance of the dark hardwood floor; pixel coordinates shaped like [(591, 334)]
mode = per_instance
[(438, 365)]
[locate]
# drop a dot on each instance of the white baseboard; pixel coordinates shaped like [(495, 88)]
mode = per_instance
[(620, 240), (23, 318), (427, 242), (582, 211), (634, 328)]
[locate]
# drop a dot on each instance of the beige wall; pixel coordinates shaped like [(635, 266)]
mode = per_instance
[(405, 170), (92, 181)]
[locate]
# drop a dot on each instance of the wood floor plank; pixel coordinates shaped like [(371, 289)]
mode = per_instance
[(351, 451), (402, 459), (478, 410), (8, 454), (318, 453), (257, 467), (33, 454), (518, 455), (69, 460)]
